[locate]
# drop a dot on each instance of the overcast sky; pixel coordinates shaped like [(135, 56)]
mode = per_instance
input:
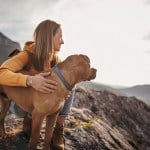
[(115, 34)]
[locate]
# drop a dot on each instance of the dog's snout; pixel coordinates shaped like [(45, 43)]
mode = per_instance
[(92, 74), (95, 70)]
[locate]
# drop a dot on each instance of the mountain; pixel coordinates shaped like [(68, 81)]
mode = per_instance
[(140, 91), (100, 87), (7, 46)]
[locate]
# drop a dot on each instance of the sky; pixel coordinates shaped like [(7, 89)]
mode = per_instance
[(115, 34)]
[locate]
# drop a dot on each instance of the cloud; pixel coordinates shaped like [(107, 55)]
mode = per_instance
[(147, 2), (19, 18), (147, 52), (20, 10), (147, 37)]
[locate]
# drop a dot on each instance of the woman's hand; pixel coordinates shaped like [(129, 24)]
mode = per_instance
[(40, 83)]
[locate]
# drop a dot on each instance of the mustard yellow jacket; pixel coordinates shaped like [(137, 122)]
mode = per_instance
[(8, 69)]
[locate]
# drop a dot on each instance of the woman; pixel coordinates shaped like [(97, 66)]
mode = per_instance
[(38, 56)]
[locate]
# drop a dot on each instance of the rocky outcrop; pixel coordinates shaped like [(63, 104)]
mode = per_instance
[(99, 120), (85, 131), (122, 122), (7, 46)]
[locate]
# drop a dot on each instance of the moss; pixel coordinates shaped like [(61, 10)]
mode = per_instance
[(85, 124)]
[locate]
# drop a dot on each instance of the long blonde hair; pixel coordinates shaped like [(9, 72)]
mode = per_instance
[(43, 37)]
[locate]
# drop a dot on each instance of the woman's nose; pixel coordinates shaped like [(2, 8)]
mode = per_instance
[(62, 41)]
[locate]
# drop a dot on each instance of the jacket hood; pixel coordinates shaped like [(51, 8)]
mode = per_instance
[(29, 46)]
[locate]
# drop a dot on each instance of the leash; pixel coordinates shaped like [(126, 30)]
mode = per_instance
[(58, 72)]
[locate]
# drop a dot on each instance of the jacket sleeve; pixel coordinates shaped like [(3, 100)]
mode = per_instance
[(8, 69)]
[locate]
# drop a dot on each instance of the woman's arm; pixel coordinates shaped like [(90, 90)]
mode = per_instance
[(17, 63), (12, 65)]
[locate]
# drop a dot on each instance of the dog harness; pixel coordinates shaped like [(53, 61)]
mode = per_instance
[(58, 72)]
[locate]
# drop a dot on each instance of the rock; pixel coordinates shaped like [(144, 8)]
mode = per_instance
[(7, 47), (86, 131), (128, 115)]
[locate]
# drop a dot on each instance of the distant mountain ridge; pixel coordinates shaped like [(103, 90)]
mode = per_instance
[(100, 87), (7, 46), (141, 92)]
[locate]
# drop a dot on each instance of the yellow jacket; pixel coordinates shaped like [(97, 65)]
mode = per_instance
[(8, 69)]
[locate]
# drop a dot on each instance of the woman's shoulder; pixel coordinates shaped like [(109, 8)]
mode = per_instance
[(29, 46)]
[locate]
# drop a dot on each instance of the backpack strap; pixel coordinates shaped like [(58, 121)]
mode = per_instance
[(14, 52)]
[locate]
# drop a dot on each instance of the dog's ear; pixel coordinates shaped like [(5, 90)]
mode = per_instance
[(86, 58)]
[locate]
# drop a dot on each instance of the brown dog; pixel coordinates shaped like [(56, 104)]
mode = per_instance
[(75, 68)]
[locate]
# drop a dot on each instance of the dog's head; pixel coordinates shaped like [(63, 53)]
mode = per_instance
[(81, 67), (90, 73)]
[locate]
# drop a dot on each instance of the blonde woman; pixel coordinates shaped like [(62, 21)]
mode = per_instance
[(36, 56)]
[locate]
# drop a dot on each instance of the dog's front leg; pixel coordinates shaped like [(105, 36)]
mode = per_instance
[(37, 119), (50, 124)]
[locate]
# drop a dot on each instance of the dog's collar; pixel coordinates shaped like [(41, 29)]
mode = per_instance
[(58, 72)]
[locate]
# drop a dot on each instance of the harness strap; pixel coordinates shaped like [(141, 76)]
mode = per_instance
[(58, 72)]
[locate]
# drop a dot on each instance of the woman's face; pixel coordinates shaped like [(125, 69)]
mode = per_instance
[(57, 40)]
